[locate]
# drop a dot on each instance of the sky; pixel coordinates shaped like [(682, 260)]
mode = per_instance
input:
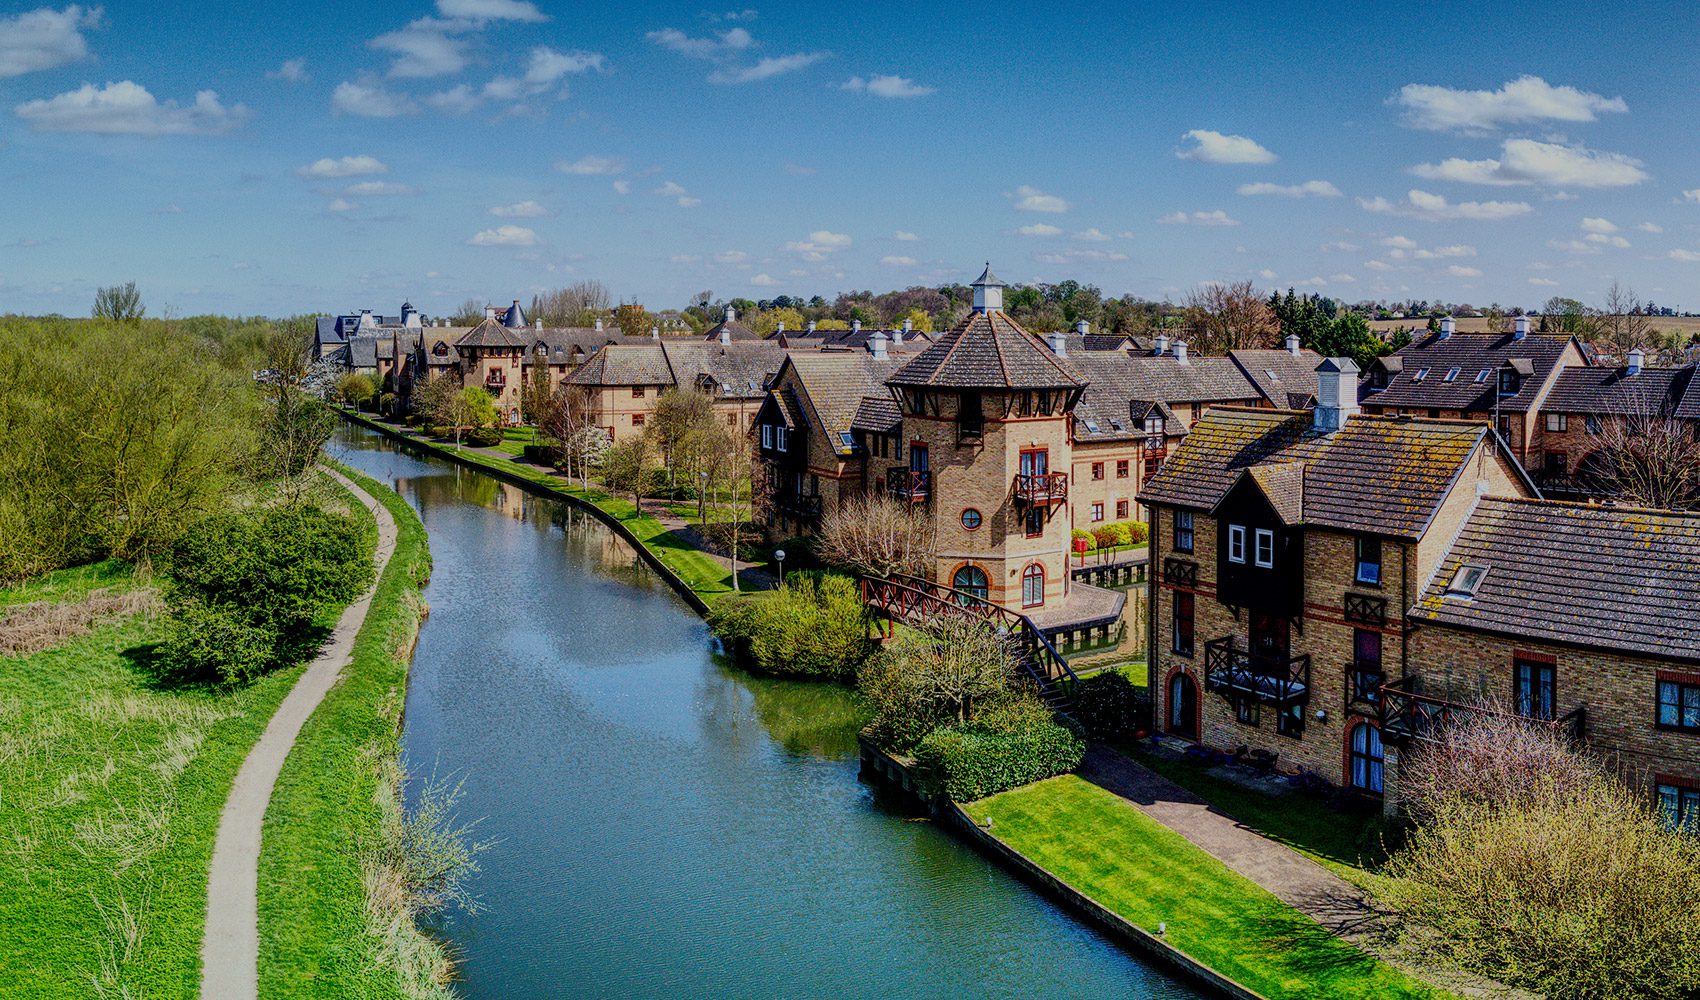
[(286, 157)]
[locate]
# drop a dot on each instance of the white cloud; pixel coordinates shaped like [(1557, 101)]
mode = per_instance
[(1693, 195), (1543, 282), (731, 257), (1441, 253), (341, 205), (126, 108), (1267, 275), (520, 210), (887, 86), (896, 261), (1650, 227), (1607, 241), (367, 99), (904, 236), (345, 166), (686, 201), (725, 44), (1525, 99), (679, 195), (457, 100), (1378, 265), (820, 243), (504, 236), (428, 47), (1313, 189), (594, 166), (544, 68), (367, 189), (1040, 229), (622, 187), (292, 71), (1093, 235), (766, 67), (1433, 207), (45, 38), (1214, 147), (1402, 242), (764, 280), (1315, 282), (1216, 218), (1460, 271), (1030, 199), (1686, 256), (491, 10), (1077, 256), (1341, 279), (1598, 225), (1526, 161)]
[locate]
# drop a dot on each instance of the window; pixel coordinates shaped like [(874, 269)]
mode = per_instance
[(767, 435), (1592, 423), (1558, 423), (1451, 374), (1290, 721), (1535, 687), (1121, 510), (1366, 676), (970, 519), (1265, 556), (1248, 712), (1482, 376), (1364, 757), (1181, 640), (1507, 382), (1557, 463), (1033, 586), (1679, 705), (1183, 531), (1097, 512), (1236, 543), (731, 420), (779, 437), (1680, 807), (637, 420), (1369, 561), (637, 392), (1466, 581), (1121, 468), (1034, 521), (1421, 374), (1097, 470), (970, 580)]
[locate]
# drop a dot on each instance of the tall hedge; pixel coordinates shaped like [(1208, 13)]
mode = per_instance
[(990, 755)]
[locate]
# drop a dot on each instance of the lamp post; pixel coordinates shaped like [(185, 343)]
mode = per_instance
[(702, 499), (779, 556)]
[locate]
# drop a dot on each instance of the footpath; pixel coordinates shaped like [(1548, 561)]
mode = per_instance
[(230, 946)]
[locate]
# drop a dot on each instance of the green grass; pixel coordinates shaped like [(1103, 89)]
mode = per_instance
[(514, 439), (313, 927), (1101, 845)]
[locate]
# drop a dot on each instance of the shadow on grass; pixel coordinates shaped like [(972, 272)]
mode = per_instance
[(153, 667), (1308, 947)]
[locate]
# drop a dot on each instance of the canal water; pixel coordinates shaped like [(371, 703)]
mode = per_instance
[(668, 825)]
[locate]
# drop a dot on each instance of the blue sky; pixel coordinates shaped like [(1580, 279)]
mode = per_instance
[(293, 157)]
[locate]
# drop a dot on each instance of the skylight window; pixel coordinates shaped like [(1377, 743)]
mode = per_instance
[(1092, 426), (846, 439), (1482, 376), (1466, 581), (1421, 374), (1451, 374), (1271, 373)]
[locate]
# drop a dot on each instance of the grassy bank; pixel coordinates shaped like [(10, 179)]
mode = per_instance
[(1128, 862), (318, 937)]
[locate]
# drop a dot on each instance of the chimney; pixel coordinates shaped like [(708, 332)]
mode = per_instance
[(489, 312), (1162, 347), (1293, 344), (876, 343), (537, 324), (1446, 327), (1521, 328), (1058, 343), (1180, 352), (725, 335), (1082, 327), (731, 314), (811, 326), (1336, 394), (855, 326), (781, 327), (655, 333), (897, 335), (1637, 358)]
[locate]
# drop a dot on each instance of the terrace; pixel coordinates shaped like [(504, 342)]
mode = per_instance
[(1239, 673)]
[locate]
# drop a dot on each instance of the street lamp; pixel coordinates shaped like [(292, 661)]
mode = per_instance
[(779, 554), (702, 499)]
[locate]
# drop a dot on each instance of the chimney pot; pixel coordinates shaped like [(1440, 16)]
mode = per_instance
[(811, 326), (1336, 394), (781, 326), (855, 326), (599, 324), (1162, 347)]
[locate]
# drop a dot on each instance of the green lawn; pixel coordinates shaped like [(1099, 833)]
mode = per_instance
[(314, 939), (514, 439), (1104, 847)]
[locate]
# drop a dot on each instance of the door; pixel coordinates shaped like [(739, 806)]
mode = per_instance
[(1366, 760), (1183, 706), (1270, 636), (918, 457), (1035, 463), (1536, 685)]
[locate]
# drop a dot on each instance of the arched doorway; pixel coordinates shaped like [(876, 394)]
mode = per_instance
[(1183, 706), (971, 579), (1364, 759)]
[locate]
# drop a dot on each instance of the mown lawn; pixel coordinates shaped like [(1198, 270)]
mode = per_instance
[(1104, 847), (324, 813)]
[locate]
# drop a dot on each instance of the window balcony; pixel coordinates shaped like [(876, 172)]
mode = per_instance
[(1049, 489), (913, 485), (1407, 714), (1237, 674), (1363, 687), (799, 505), (1363, 609)]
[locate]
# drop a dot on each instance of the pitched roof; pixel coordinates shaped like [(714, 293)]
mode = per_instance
[(1614, 578), (1651, 391), (625, 364), (491, 333), (1285, 379), (735, 329), (1380, 475), (988, 350), (1283, 485), (1688, 408), (739, 370), (833, 387), (1435, 356), (878, 415)]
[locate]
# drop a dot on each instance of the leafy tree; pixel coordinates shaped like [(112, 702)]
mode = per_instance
[(355, 389), (119, 303), (625, 468), (633, 319), (936, 674), (433, 399), (472, 407), (534, 396), (683, 424)]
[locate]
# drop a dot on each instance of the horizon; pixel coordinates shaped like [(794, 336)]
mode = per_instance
[(298, 160)]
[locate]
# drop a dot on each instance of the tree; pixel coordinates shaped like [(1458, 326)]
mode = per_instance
[(732, 458), (579, 304), (534, 395), (294, 423), (626, 466), (875, 534), (1225, 317), (1622, 322), (470, 313), (433, 399), (354, 389), (472, 407), (570, 418), (633, 319), (1647, 457), (936, 673), (681, 417), (120, 303)]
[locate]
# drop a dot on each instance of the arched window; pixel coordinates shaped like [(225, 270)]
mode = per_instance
[(1365, 757), (971, 579), (1032, 585)]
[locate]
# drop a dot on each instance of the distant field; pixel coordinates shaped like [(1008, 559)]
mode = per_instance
[(1479, 324)]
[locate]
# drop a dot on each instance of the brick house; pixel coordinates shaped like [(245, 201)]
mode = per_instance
[(1587, 405), (624, 380)]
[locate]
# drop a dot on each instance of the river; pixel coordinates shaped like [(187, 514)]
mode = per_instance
[(668, 825)]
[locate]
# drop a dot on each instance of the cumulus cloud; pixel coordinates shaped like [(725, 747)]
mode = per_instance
[(898, 261), (622, 187), (45, 38), (1030, 199), (1441, 253), (1311, 189), (341, 205), (504, 236), (1686, 256), (1216, 218), (726, 43), (1378, 265), (1602, 239), (368, 189), (1693, 195), (766, 68), (1267, 275), (344, 166), (1595, 224), (519, 210), (593, 166), (1526, 161), (428, 47), (764, 280), (545, 67), (367, 99), (1214, 147), (1650, 227), (731, 257), (1401, 242), (1039, 229), (292, 71), (820, 243), (457, 100), (727, 49), (491, 10), (904, 236), (1434, 208), (1460, 271), (1525, 99), (677, 192), (1078, 256), (887, 86), (126, 108), (1093, 235)]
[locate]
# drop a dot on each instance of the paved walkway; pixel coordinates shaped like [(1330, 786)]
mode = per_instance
[(230, 947)]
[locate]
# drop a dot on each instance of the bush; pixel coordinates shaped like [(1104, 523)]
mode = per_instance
[(1110, 706), (1105, 536), (386, 403), (813, 626), (1008, 746), (1138, 532), (205, 642), (947, 671), (545, 451), (483, 437)]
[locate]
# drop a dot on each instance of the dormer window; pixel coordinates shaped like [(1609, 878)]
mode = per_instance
[(1154, 426), (1466, 581), (1508, 383)]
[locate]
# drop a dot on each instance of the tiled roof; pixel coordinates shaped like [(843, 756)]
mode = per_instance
[(1688, 408), (878, 414), (834, 386), (1651, 391), (1381, 475), (491, 333), (363, 351), (1122, 388), (988, 350), (1283, 485), (1434, 357), (625, 364), (1612, 578), (739, 370), (1285, 379), (737, 330)]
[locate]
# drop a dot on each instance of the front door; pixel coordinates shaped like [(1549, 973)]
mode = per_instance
[(1183, 706)]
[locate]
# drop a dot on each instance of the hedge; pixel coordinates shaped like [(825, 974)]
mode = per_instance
[(976, 760), (813, 626), (1110, 707)]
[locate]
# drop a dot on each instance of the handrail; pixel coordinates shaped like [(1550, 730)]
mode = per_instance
[(902, 596), (1413, 715), (909, 484), (1046, 487), (1227, 668)]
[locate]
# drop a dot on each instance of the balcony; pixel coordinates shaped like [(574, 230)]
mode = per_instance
[(1363, 687), (1238, 673), (1047, 489), (1363, 609), (913, 485), (1180, 572), (496, 380), (799, 505), (1407, 715)]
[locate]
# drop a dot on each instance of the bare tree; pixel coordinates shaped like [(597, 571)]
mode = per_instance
[(1647, 456), (470, 313), (579, 304), (1487, 754), (296, 423), (570, 418), (680, 420), (1621, 321), (1230, 317), (121, 303), (878, 535)]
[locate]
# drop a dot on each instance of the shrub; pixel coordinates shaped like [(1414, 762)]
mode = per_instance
[(484, 437), (545, 451), (386, 403), (1006, 748), (1105, 536), (813, 626), (1138, 532), (1110, 707), (945, 672), (206, 642), (1091, 543)]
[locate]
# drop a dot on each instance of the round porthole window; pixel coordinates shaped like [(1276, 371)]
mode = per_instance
[(970, 519)]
